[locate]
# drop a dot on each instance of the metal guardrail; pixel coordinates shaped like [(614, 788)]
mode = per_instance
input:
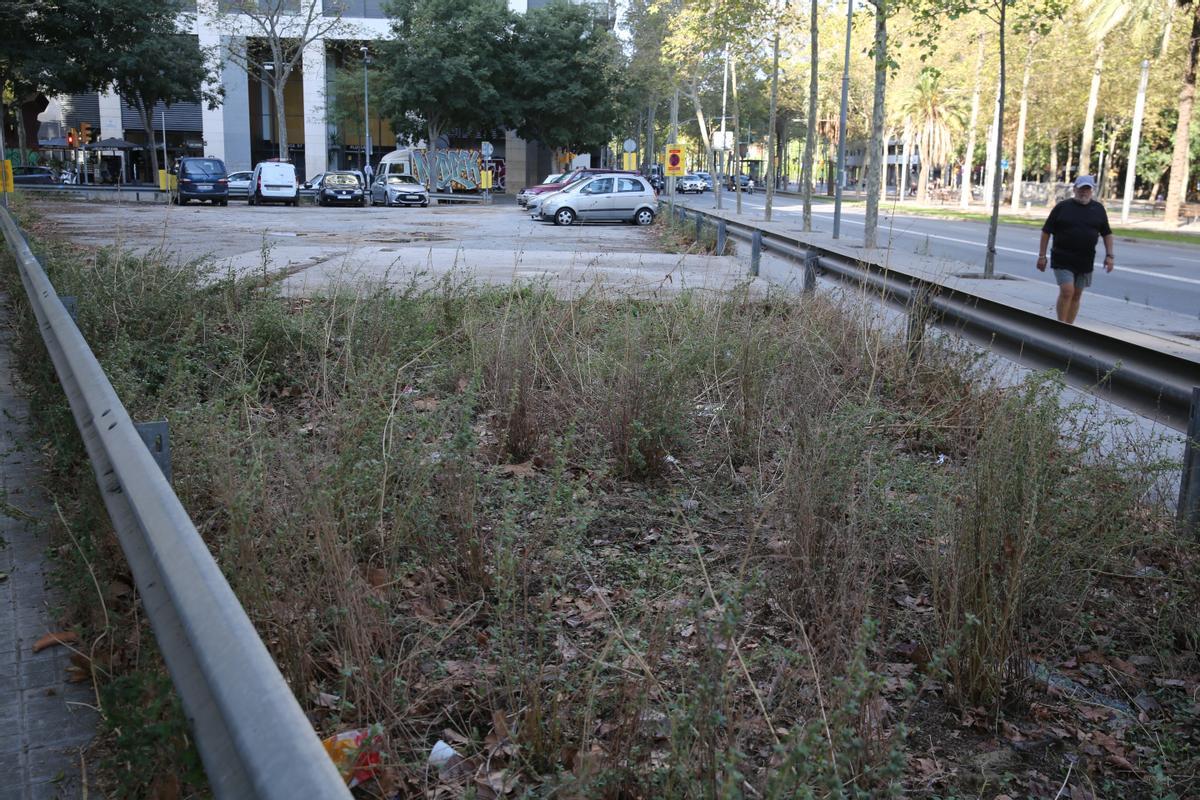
[(252, 735), (1162, 386), (1152, 382), (91, 191)]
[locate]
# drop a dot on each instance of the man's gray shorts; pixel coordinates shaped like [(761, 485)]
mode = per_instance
[(1082, 280)]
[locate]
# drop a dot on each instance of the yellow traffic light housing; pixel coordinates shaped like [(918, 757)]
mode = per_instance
[(85, 133)]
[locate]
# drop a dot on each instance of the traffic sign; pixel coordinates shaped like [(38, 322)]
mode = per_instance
[(674, 165), (487, 149), (630, 145), (629, 162)]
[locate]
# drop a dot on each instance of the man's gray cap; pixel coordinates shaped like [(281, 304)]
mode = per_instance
[(1085, 180)]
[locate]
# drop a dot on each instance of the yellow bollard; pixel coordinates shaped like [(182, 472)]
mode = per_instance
[(6, 176)]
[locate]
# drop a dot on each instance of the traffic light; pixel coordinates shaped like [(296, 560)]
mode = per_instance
[(85, 133), (72, 138)]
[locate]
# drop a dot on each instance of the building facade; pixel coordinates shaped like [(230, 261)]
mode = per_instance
[(242, 129)]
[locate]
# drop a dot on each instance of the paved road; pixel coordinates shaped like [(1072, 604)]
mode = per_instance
[(1158, 274)]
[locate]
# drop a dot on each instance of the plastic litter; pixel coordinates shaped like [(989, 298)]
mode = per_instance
[(441, 754), (355, 753)]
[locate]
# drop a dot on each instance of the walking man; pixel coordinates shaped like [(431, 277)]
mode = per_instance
[(1075, 224)]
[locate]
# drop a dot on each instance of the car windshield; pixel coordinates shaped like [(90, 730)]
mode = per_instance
[(206, 167), (576, 183), (341, 180), (407, 179), (555, 178)]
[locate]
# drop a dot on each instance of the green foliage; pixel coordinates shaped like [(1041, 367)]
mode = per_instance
[(448, 65), (569, 77), (149, 735)]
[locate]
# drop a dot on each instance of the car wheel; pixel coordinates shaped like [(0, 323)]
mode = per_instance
[(644, 216), (425, 204), (224, 203), (564, 216)]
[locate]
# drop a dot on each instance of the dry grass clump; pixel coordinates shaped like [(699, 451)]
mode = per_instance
[(606, 549)]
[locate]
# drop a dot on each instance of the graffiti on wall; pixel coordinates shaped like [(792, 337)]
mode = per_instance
[(456, 170)]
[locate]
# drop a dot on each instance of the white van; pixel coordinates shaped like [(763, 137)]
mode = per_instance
[(273, 182)]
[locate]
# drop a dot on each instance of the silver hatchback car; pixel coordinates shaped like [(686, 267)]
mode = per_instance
[(620, 197)]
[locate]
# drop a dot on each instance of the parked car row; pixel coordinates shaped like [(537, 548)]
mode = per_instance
[(275, 181)]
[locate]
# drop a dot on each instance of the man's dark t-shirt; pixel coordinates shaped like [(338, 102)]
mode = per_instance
[(1075, 228)]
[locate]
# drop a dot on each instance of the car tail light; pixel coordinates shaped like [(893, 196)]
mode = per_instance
[(222, 180)]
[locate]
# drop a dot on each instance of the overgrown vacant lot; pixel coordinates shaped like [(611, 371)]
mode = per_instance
[(704, 547)]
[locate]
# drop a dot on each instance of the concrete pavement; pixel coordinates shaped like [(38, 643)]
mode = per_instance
[(45, 722)]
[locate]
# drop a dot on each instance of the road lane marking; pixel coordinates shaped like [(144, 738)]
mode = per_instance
[(1018, 251)]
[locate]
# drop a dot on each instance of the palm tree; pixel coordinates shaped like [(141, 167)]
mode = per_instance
[(936, 116)]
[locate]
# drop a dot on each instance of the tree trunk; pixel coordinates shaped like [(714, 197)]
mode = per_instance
[(694, 94), (772, 157), (22, 135), (651, 112), (1177, 187), (810, 136), (1089, 119), (737, 136), (964, 199), (923, 150), (280, 117), (1019, 155), (877, 155), (1053, 156), (1135, 137), (989, 260), (148, 124), (902, 184)]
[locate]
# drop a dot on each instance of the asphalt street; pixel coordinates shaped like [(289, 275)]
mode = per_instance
[(1157, 274)]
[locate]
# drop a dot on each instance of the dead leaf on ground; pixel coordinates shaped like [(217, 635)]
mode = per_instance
[(525, 470), (51, 639), (377, 577), (426, 404)]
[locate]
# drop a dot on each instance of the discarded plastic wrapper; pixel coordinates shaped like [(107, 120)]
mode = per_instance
[(441, 754), (355, 753)]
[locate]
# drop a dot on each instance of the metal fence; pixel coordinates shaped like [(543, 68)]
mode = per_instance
[(252, 735)]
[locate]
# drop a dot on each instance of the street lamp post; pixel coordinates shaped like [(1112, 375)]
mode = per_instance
[(366, 106)]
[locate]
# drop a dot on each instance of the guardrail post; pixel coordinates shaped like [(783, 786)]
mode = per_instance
[(157, 437), (71, 304), (699, 225), (811, 259), (721, 237), (755, 252), (1189, 484)]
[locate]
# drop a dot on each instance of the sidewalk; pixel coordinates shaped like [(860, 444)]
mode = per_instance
[(1160, 330), (45, 722)]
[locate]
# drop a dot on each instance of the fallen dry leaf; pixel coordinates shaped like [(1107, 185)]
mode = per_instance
[(525, 470), (51, 639), (426, 404)]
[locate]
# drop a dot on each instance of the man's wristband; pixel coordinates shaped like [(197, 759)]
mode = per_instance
[(1110, 255)]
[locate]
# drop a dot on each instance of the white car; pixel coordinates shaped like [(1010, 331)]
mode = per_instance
[(689, 183), (399, 190), (274, 182), (239, 183), (624, 197)]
